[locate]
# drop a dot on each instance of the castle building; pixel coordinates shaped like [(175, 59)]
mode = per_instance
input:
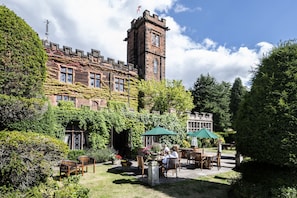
[(146, 48), (91, 80)]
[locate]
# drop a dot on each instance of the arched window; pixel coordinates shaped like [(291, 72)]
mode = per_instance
[(155, 66), (95, 105)]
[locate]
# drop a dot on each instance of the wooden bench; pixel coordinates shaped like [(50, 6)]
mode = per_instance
[(85, 161), (68, 166)]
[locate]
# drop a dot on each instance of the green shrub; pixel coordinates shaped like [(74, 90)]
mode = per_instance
[(283, 191), (265, 180), (69, 187), (101, 155), (73, 154), (72, 189), (26, 158)]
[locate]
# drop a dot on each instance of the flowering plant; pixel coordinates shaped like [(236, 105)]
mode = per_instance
[(146, 151), (118, 157), (156, 147)]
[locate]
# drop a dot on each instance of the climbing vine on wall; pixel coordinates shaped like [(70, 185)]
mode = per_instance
[(79, 90), (100, 123)]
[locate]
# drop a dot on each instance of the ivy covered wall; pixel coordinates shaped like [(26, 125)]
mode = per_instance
[(80, 88)]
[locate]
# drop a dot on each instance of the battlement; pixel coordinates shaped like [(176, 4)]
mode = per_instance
[(200, 116), (94, 56), (150, 18)]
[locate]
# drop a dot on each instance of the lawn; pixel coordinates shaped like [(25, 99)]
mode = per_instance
[(115, 182)]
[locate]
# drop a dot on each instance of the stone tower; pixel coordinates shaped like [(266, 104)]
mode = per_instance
[(146, 47)]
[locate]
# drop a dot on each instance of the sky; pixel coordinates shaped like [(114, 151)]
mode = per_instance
[(223, 38)]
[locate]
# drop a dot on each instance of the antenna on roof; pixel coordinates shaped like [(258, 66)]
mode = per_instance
[(46, 31)]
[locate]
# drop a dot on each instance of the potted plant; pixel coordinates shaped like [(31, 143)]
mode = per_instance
[(156, 150), (125, 163)]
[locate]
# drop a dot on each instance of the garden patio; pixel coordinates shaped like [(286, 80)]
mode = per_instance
[(112, 180)]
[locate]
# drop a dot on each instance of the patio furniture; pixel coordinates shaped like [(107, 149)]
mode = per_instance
[(179, 159), (217, 160), (85, 161), (191, 157), (69, 166), (185, 151), (172, 164), (200, 160)]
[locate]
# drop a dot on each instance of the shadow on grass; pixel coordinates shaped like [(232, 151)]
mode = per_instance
[(172, 186), (194, 188), (127, 181), (130, 171)]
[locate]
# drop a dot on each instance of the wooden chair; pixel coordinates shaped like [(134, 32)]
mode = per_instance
[(200, 160), (68, 166), (217, 160), (190, 157), (172, 164), (140, 163), (179, 159), (85, 161)]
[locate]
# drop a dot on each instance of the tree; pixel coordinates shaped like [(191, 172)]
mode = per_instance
[(164, 95), (267, 118), (203, 92), (22, 67), (237, 93), (210, 96), (22, 57)]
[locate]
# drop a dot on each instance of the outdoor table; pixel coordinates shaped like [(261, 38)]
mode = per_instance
[(184, 151), (209, 158)]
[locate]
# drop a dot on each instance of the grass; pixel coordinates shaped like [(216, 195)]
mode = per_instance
[(115, 182), (225, 151)]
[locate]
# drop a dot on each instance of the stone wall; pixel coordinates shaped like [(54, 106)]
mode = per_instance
[(82, 66)]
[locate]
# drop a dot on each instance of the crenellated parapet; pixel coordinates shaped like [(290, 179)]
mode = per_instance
[(149, 18), (93, 57), (200, 116)]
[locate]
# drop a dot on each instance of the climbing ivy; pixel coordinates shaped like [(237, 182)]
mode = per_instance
[(99, 123), (53, 86)]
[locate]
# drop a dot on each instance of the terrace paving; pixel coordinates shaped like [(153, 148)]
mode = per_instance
[(187, 171)]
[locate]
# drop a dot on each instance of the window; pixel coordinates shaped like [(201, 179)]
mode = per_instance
[(155, 66), (65, 98), (119, 84), (66, 75), (95, 80), (155, 39)]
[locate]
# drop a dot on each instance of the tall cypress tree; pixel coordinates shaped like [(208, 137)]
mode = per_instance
[(267, 119), (237, 93)]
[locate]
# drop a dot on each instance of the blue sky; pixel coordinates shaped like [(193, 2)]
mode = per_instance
[(223, 38), (237, 23)]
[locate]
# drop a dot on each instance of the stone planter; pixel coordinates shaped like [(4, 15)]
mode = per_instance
[(126, 164)]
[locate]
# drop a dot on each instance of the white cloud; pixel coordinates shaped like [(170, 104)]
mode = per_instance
[(188, 59), (180, 8), (103, 25)]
